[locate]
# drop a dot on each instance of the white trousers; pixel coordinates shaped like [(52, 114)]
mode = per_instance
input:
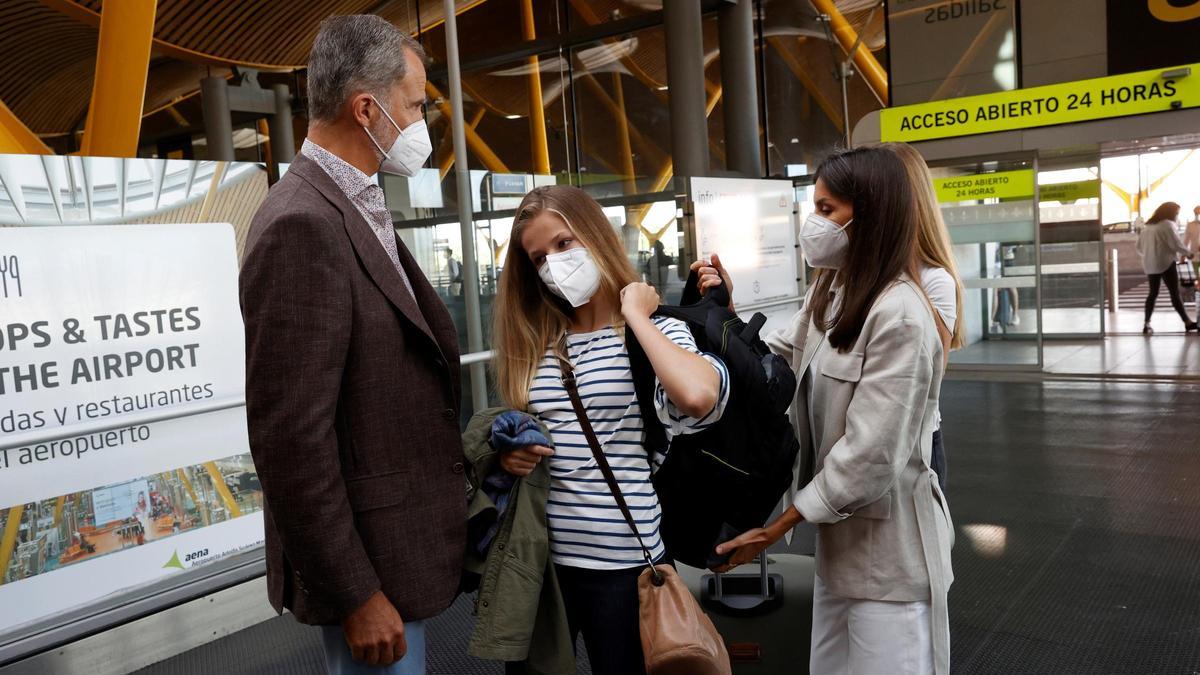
[(869, 637)]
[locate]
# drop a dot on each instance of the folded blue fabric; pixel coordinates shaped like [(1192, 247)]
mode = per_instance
[(510, 431), (513, 429)]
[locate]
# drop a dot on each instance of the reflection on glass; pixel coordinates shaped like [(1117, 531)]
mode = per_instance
[(622, 116), (802, 93)]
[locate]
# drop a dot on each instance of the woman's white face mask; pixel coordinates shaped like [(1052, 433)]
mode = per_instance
[(571, 275), (824, 242)]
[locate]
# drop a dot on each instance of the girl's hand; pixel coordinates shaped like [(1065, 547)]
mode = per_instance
[(522, 461), (639, 301), (712, 273)]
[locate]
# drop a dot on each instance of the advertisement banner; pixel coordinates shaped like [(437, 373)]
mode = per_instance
[(123, 447), (1081, 101)]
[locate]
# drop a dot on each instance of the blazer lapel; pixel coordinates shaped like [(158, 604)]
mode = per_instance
[(812, 341), (368, 247)]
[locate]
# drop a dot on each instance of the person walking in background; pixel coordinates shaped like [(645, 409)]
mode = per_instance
[(454, 278), (1160, 246), (937, 271), (1191, 240), (352, 372)]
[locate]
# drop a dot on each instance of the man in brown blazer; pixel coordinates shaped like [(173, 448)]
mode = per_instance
[(353, 386)]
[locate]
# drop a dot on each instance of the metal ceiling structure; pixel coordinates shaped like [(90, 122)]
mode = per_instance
[(50, 50)]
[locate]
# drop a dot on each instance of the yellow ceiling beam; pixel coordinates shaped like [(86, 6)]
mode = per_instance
[(537, 111), (114, 119), (16, 138), (868, 65), (474, 141), (446, 149)]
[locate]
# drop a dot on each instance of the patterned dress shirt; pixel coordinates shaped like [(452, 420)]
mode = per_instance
[(366, 196)]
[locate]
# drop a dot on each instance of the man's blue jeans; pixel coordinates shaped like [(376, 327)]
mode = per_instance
[(339, 661)]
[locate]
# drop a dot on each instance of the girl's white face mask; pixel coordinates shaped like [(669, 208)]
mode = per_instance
[(824, 242), (571, 275)]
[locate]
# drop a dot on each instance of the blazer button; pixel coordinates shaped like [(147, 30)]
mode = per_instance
[(458, 467), (449, 415)]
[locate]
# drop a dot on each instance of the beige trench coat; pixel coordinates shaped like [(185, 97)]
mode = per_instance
[(884, 529)]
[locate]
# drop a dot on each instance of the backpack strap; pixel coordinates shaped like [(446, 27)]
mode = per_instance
[(643, 386)]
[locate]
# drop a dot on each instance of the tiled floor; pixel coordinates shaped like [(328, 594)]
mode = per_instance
[(1133, 355), (1169, 352), (1078, 520), (1077, 511)]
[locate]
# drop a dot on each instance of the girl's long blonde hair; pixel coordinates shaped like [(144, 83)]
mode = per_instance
[(527, 317), (933, 239)]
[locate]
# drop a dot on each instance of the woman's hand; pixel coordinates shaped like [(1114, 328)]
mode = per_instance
[(522, 461), (712, 273), (746, 547), (750, 544), (639, 301)]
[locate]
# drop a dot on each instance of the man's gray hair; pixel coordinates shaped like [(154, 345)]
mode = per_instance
[(359, 52)]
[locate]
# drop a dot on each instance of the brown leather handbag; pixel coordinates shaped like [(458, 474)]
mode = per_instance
[(678, 638)]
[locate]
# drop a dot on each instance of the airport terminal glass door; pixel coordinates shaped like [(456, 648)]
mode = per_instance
[(1072, 278), (989, 208)]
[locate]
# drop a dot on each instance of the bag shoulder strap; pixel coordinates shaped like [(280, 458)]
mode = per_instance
[(572, 387)]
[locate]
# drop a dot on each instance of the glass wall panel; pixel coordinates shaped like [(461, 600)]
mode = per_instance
[(805, 119), (1069, 217), (504, 125), (995, 247), (1133, 186), (619, 92), (484, 27)]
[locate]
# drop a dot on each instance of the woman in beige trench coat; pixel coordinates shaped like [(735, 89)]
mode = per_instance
[(868, 358)]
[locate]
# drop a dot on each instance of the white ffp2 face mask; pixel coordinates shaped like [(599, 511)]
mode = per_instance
[(571, 275), (410, 149), (824, 242)]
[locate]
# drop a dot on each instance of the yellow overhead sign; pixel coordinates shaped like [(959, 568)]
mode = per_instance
[(1070, 192), (1100, 98), (997, 185)]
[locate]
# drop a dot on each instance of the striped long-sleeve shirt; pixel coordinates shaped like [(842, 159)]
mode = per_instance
[(586, 526)]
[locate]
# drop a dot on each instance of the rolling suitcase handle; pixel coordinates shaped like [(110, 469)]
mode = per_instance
[(727, 593)]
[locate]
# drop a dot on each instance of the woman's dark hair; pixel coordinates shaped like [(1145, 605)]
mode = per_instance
[(1165, 211), (882, 237)]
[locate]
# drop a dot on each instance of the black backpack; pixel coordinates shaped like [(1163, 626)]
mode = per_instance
[(728, 478)]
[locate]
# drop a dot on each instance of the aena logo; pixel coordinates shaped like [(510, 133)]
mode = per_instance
[(1163, 10)]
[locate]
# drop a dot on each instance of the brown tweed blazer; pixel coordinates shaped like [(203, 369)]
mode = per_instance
[(352, 397)]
